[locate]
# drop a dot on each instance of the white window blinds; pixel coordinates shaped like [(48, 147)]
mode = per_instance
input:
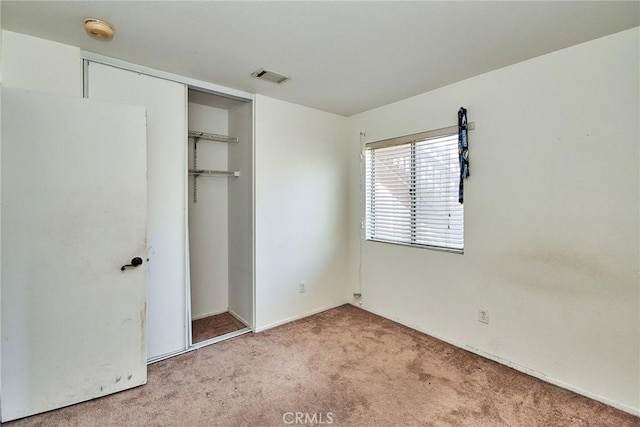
[(412, 191)]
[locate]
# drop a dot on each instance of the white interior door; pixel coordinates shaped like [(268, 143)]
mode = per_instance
[(73, 174), (167, 174)]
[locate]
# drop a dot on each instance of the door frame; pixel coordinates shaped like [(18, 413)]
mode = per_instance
[(214, 90)]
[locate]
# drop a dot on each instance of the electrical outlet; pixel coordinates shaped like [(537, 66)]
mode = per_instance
[(302, 287), (483, 316)]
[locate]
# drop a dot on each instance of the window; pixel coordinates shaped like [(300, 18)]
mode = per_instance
[(411, 187)]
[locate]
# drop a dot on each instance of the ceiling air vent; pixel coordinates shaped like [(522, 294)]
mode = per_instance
[(270, 76)]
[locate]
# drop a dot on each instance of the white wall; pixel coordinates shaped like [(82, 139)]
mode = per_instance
[(301, 210), (208, 218), (1, 34), (551, 220), (1, 57), (37, 64), (241, 213)]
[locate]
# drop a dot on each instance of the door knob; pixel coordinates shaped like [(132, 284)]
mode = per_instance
[(134, 263)]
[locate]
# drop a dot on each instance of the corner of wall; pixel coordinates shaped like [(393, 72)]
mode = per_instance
[(0, 206), (302, 199)]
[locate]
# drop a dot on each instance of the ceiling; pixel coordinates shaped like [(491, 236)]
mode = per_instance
[(342, 57)]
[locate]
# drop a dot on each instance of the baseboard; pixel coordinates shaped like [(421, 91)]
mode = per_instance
[(240, 318), (626, 408), (213, 313), (298, 317)]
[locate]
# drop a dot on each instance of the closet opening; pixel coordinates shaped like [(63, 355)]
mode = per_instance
[(220, 222)]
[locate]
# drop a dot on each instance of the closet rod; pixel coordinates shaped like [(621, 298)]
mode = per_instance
[(212, 136), (208, 172)]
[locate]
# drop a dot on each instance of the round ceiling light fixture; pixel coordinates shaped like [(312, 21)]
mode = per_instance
[(98, 29)]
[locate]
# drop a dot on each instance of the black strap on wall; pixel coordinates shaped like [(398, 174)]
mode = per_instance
[(463, 150)]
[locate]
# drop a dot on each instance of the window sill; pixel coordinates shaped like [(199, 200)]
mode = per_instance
[(433, 248)]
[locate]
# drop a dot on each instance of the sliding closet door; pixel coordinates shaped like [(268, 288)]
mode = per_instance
[(166, 157)]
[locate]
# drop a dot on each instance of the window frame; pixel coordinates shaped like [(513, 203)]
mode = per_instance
[(410, 140)]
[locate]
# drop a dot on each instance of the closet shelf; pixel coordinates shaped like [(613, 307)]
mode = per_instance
[(212, 136), (209, 172)]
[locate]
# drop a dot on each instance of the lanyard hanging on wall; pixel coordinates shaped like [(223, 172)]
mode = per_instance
[(463, 152)]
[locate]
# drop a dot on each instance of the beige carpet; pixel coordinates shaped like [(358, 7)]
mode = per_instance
[(214, 326), (346, 366)]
